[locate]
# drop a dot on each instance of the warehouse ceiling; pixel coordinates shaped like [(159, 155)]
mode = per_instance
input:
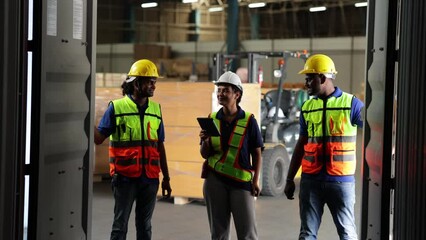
[(175, 21), (282, 4)]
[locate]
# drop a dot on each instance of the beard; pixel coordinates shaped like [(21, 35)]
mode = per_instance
[(313, 91), (145, 93)]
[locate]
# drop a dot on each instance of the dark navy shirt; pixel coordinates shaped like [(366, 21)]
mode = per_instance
[(252, 140), (107, 127), (356, 119)]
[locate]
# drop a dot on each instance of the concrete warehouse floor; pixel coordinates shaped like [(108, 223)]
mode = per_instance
[(277, 218)]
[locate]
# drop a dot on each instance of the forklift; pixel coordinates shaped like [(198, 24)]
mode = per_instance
[(280, 111)]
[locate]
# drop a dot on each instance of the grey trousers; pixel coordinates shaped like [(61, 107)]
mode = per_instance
[(223, 200)]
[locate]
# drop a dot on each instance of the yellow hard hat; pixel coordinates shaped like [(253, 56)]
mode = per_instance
[(142, 68), (319, 63)]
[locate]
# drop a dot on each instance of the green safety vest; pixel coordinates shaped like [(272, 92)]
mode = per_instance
[(226, 163), (331, 136), (133, 146)]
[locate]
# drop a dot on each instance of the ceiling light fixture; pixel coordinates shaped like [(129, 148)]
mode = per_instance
[(149, 5), (215, 9), (361, 4), (189, 1), (257, 5), (317, 9)]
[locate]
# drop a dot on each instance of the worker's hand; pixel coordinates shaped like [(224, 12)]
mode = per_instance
[(255, 189), (166, 190), (289, 189), (204, 135)]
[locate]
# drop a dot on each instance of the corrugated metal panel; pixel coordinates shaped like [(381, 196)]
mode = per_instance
[(376, 169), (410, 166), (62, 120)]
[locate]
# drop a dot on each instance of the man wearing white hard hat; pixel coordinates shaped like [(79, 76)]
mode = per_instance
[(232, 166)]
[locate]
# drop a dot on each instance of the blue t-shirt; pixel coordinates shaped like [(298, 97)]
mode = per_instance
[(107, 126), (356, 119), (252, 140)]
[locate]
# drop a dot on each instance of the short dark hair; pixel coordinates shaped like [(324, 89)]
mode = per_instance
[(128, 87)]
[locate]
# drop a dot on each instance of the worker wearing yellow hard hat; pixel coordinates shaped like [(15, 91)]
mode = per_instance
[(136, 153), (319, 63), (326, 151)]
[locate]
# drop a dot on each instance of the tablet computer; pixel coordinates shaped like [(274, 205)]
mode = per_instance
[(209, 125)]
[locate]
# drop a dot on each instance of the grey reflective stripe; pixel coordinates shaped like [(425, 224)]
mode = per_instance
[(309, 158), (124, 162), (336, 139), (336, 158), (343, 158), (133, 161), (123, 144), (154, 162)]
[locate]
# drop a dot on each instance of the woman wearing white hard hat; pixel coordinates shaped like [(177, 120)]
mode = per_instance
[(232, 165)]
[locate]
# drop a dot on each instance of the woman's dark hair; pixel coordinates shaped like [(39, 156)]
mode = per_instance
[(238, 90)]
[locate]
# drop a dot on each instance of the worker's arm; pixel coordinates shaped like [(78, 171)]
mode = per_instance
[(256, 156), (99, 137), (106, 126), (296, 161), (165, 184)]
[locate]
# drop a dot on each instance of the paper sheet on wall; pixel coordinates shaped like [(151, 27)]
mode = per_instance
[(78, 19), (52, 18)]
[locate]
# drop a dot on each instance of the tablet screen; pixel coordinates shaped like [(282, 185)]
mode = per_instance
[(209, 125)]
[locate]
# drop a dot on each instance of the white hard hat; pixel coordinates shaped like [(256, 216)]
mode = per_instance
[(230, 78)]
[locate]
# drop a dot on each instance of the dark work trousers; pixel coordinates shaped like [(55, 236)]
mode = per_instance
[(125, 193)]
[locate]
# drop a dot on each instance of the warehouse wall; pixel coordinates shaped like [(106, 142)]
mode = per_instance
[(173, 21), (347, 52)]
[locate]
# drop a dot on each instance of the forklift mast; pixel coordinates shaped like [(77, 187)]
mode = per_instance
[(222, 61)]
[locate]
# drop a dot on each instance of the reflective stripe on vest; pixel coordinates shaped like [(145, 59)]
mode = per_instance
[(332, 141), (227, 163), (133, 146)]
